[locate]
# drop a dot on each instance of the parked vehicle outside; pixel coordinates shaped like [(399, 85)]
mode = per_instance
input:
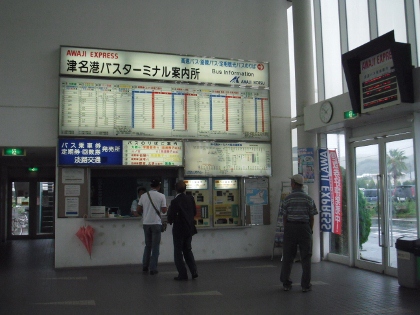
[(405, 193), (371, 195)]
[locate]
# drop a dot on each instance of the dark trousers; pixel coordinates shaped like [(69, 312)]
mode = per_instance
[(182, 250), (297, 235)]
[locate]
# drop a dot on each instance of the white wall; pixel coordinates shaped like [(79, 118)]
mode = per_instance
[(121, 242), (32, 31)]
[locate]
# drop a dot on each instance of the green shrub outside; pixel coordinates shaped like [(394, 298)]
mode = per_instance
[(365, 221)]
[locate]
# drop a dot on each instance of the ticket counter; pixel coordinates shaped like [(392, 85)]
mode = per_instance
[(101, 188)]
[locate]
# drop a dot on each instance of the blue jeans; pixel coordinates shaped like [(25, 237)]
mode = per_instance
[(152, 236)]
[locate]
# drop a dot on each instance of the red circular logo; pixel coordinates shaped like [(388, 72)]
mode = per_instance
[(260, 66)]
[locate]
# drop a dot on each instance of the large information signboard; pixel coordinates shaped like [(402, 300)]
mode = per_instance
[(227, 159), (118, 64), (115, 108)]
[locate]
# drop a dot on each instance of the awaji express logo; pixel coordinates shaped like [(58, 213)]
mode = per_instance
[(235, 79)]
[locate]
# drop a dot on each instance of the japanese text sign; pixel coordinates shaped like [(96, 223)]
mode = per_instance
[(89, 152), (77, 61)]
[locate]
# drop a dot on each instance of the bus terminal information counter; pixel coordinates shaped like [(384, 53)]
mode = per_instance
[(161, 116)]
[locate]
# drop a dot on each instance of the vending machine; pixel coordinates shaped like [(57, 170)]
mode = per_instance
[(226, 202), (200, 190)]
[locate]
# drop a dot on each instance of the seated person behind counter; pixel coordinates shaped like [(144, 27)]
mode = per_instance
[(140, 191)]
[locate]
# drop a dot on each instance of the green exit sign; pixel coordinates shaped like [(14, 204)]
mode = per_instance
[(33, 169), (350, 114), (14, 152)]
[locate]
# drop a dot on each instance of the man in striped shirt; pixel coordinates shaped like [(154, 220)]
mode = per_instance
[(298, 210)]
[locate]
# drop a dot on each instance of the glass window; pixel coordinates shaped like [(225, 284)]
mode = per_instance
[(417, 23), (291, 61), (331, 48), (391, 16), (357, 23), (294, 151)]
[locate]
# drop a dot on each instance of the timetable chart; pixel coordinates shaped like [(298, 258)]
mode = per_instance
[(122, 110), (92, 108), (256, 116), (179, 119), (220, 114), (152, 111), (227, 159), (158, 112), (226, 114), (185, 113), (69, 108), (152, 153), (98, 107)]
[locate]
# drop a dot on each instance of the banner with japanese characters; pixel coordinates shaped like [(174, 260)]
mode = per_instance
[(102, 152), (89, 152), (330, 191), (119, 64)]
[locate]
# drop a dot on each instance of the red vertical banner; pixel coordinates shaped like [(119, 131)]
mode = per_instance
[(336, 191), (331, 189)]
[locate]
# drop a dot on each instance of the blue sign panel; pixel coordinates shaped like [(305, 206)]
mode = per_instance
[(256, 197), (89, 152)]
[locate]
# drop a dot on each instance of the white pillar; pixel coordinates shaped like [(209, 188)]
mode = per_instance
[(305, 95)]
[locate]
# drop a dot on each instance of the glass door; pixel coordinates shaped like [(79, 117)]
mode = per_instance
[(19, 224), (385, 199), (32, 209)]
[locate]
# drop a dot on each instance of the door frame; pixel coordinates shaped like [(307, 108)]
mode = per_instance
[(33, 214), (383, 204)]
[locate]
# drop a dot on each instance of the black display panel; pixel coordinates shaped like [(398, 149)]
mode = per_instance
[(389, 88)]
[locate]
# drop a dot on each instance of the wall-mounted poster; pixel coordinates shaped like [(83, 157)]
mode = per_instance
[(256, 191), (72, 176), (152, 153), (71, 206), (306, 164), (227, 159)]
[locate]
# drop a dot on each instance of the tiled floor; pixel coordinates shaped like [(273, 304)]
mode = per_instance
[(29, 284)]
